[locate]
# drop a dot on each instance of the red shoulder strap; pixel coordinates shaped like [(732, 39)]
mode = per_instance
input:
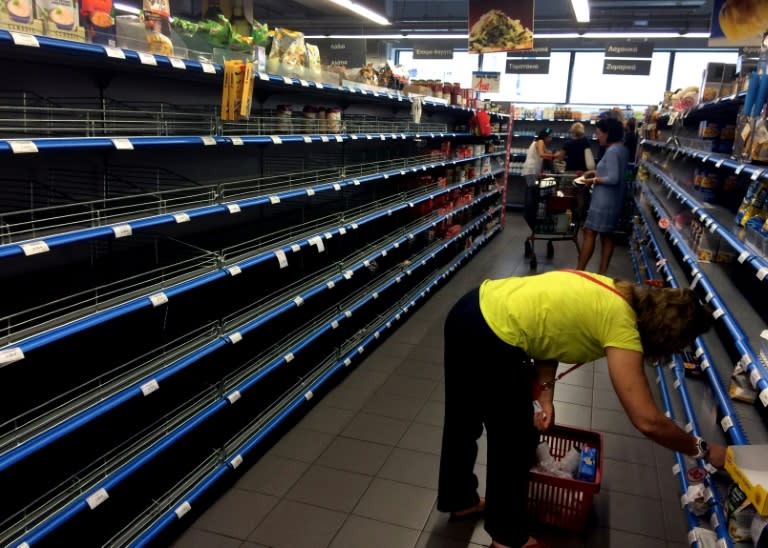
[(595, 280)]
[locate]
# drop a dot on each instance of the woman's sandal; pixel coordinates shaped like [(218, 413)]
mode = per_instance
[(470, 513)]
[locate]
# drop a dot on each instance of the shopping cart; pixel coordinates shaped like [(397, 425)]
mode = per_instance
[(554, 209)]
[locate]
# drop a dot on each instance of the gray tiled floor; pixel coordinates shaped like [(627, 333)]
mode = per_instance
[(360, 470)]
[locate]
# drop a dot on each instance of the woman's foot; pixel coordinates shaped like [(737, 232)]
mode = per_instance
[(472, 511), (531, 543)]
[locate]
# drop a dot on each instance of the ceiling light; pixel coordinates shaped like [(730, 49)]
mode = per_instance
[(126, 8), (581, 10), (362, 11), (542, 36), (645, 35)]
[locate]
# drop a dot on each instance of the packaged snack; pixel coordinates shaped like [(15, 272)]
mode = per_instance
[(159, 43), (283, 117), (333, 120), (98, 17), (288, 53), (19, 15), (246, 99), (740, 513), (61, 19), (314, 67), (309, 115)]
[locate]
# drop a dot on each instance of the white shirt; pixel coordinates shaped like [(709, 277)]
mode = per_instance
[(533, 161)]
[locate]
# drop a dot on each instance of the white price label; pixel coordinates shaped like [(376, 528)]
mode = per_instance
[(347, 362), (713, 227), (704, 365), (699, 352), (354, 226), (717, 313), (762, 273), (756, 174), (147, 58), (354, 137), (281, 258), (692, 536), (233, 208), (121, 231), (288, 357), (276, 139), (695, 280), (22, 147), (24, 39), (383, 137), (274, 200), (743, 257), (754, 376), (318, 242), (676, 469), (339, 138), (122, 144), (360, 349), (348, 313), (676, 384), (396, 245), (310, 192), (688, 427), (208, 140), (295, 248), (739, 168), (368, 136), (177, 63), (150, 386), (328, 235), (375, 295), (764, 397), (307, 138), (336, 187), (304, 83), (10, 355), (181, 217), (182, 509), (234, 396), (384, 253), (237, 461), (376, 335), (726, 423), (34, 248), (356, 182), (97, 498), (264, 76), (330, 284), (719, 162), (705, 157), (114, 53), (309, 395), (348, 274), (342, 231), (287, 80), (324, 138), (158, 299), (298, 301), (335, 324), (237, 141), (709, 296)]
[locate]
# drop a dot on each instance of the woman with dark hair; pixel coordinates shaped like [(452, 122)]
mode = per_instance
[(536, 154), (503, 342), (608, 189)]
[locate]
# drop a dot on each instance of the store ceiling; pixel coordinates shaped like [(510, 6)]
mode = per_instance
[(450, 16)]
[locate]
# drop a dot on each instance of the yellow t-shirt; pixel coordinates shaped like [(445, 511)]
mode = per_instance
[(559, 316)]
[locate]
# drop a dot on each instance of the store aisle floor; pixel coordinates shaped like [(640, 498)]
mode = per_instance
[(360, 469)]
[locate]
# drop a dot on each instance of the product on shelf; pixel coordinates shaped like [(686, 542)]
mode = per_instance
[(61, 19), (237, 91), (98, 17), (288, 53), (19, 15)]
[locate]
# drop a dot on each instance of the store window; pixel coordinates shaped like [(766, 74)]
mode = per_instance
[(530, 88), (591, 86), (459, 69), (689, 66)]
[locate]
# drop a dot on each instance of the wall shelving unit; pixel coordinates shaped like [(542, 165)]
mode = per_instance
[(178, 289)]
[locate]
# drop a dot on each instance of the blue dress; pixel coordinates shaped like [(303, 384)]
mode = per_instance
[(608, 196)]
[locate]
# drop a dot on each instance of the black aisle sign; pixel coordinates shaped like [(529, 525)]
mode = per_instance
[(343, 53), (620, 66), (432, 50), (750, 52), (637, 50), (528, 66), (536, 51)]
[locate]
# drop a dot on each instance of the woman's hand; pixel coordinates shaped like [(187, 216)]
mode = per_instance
[(545, 418), (716, 455), (589, 174)]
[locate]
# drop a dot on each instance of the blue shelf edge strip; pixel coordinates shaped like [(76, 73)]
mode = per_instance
[(86, 501)]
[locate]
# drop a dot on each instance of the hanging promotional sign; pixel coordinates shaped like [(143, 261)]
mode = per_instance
[(487, 82), (431, 49), (527, 66), (500, 25), (636, 50), (627, 67), (738, 22), (536, 51)]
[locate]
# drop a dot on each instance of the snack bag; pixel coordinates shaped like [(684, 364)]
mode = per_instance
[(288, 53), (99, 19), (314, 68)]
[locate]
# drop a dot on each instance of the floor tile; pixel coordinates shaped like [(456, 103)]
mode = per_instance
[(466, 531), (272, 475), (330, 420), (605, 420), (397, 349), (438, 394), (675, 527), (329, 488), (236, 513), (376, 429), (603, 382), (408, 386), (296, 525), (435, 342), (571, 414), (427, 354), (381, 363), (572, 393), (430, 539), (422, 437), (627, 448), (579, 377), (366, 379), (630, 478), (196, 538), (412, 467), (347, 397), (393, 406), (396, 503), (304, 445), (606, 399), (639, 515), (358, 456), (420, 370), (432, 413), (611, 538), (359, 532)]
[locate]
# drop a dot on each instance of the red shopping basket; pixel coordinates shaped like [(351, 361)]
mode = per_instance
[(565, 502)]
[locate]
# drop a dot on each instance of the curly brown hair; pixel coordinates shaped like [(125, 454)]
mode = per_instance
[(668, 319)]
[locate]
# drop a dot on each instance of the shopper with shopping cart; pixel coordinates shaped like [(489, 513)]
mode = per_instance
[(503, 342), (537, 152), (608, 183)]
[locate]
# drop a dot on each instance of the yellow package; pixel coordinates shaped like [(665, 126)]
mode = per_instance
[(225, 92), (236, 91), (247, 95)]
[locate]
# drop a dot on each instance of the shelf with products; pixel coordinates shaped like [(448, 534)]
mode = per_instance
[(179, 266), (723, 106)]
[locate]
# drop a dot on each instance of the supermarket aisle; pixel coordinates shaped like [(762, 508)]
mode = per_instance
[(360, 470)]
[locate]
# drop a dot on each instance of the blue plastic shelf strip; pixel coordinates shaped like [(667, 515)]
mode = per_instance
[(235, 457), (136, 390), (730, 422), (650, 270), (163, 62), (749, 360), (746, 253), (100, 491), (16, 350), (719, 522), (135, 225)]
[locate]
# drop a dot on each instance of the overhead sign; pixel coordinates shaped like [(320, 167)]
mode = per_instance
[(432, 50), (529, 66), (500, 25), (487, 82), (342, 53), (628, 67), (751, 52), (636, 50), (536, 51), (737, 22)]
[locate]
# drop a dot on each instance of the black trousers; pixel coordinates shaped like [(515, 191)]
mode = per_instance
[(487, 382)]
